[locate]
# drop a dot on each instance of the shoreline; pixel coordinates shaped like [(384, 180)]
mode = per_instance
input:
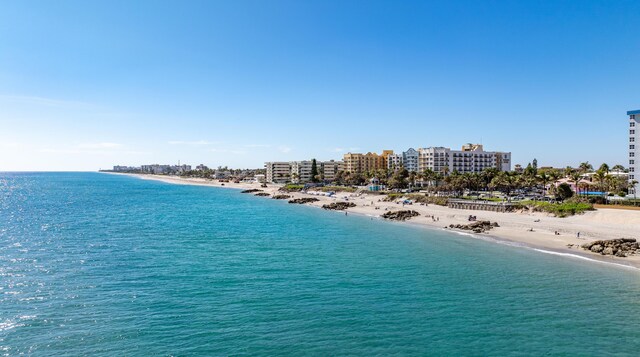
[(596, 225)]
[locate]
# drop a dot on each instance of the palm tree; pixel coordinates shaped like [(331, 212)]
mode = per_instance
[(575, 177), (600, 176), (544, 179), (585, 167), (618, 168), (605, 168)]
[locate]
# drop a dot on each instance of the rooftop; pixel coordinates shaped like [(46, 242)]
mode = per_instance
[(633, 112)]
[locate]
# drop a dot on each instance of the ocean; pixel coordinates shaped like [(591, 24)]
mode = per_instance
[(107, 265)]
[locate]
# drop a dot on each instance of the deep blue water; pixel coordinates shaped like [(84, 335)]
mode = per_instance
[(104, 265)]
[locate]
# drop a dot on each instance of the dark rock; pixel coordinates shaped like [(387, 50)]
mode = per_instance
[(253, 190), (400, 215), (304, 200), (262, 194), (339, 206), (476, 227), (622, 247), (281, 197)]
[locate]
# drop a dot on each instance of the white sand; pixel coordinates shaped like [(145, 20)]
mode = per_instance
[(514, 227)]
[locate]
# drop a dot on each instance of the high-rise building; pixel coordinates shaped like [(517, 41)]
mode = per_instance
[(634, 150)]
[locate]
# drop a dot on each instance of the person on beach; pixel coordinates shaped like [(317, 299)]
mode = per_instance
[(578, 235)]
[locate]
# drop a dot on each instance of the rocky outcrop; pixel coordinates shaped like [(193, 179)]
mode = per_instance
[(622, 247), (253, 190), (301, 201), (281, 197), (476, 227), (339, 206), (262, 194), (400, 215)]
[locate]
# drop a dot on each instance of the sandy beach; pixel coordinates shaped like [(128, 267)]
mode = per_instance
[(514, 227)]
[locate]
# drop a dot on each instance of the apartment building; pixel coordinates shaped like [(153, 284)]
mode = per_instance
[(330, 169), (472, 158), (634, 150), (410, 160), (360, 163), (278, 172), (300, 171)]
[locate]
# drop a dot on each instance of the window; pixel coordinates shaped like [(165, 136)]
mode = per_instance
[(632, 124), (632, 154), (632, 140), (631, 169), (631, 162), (632, 147), (631, 132), (633, 116)]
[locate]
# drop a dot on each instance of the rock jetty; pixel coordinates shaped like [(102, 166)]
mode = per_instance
[(253, 190), (339, 206), (622, 247), (281, 197), (476, 227), (400, 215), (301, 201), (262, 194)]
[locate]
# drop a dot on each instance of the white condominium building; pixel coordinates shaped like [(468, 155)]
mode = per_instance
[(329, 169), (300, 171), (634, 149), (437, 159), (394, 161), (472, 158), (278, 172)]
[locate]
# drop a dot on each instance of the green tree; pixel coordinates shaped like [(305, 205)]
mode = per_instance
[(618, 168), (314, 171), (564, 191)]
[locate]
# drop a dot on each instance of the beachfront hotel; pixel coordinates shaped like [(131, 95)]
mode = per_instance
[(300, 171), (471, 159), (634, 150)]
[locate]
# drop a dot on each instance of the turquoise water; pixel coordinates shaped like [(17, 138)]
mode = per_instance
[(105, 265)]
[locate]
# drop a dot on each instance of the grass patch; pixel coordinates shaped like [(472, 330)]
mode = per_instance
[(563, 209), (291, 188), (335, 189)]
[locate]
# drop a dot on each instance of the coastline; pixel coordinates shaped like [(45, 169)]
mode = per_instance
[(514, 227)]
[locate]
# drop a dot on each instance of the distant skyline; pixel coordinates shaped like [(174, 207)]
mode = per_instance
[(86, 85)]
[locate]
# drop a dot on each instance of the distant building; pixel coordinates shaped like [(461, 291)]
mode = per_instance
[(356, 163), (202, 167), (164, 169), (634, 150), (394, 161), (410, 160), (278, 172), (300, 171), (330, 169), (472, 158), (518, 168), (125, 169)]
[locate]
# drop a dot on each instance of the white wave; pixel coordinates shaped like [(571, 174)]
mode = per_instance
[(578, 256)]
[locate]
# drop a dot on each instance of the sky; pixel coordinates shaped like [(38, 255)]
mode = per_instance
[(86, 85)]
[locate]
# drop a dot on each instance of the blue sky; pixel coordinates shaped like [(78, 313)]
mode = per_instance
[(89, 84)]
